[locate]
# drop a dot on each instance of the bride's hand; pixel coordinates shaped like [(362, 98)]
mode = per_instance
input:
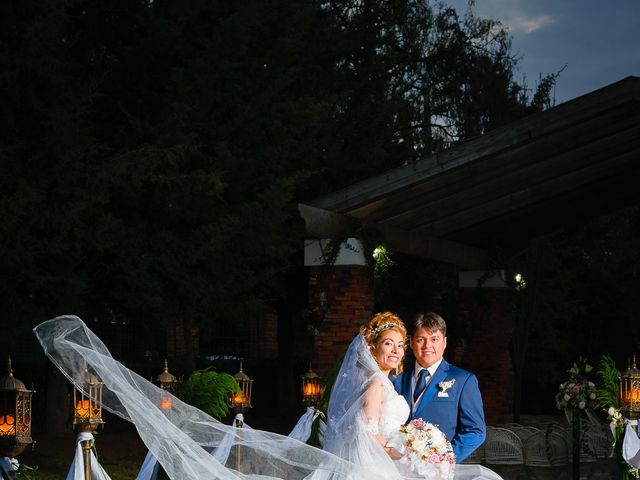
[(393, 453)]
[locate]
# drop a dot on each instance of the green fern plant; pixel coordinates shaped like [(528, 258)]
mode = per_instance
[(208, 390), (607, 393)]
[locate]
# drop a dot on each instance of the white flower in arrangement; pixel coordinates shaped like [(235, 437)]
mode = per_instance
[(437, 437), (582, 404), (419, 444), (567, 397), (591, 384), (614, 414), (592, 396)]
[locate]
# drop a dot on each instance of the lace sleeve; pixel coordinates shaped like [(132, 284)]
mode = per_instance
[(372, 426), (372, 405)]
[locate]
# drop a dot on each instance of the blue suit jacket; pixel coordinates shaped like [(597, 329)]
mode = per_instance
[(459, 414)]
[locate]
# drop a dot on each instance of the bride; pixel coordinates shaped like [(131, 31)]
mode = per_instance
[(364, 412)]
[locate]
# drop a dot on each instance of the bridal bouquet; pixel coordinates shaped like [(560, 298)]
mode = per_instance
[(426, 450)]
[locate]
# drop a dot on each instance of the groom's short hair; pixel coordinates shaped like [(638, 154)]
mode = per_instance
[(430, 321)]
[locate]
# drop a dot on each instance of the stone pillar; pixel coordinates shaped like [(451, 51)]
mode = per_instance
[(485, 346)]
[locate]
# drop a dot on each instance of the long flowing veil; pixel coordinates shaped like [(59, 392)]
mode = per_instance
[(346, 433), (345, 416), (184, 438)]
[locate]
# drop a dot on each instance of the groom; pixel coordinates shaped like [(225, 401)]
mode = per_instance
[(441, 393)]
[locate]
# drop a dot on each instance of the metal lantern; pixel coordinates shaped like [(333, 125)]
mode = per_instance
[(312, 389), (87, 403), (240, 401), (15, 415), (630, 392), (168, 383)]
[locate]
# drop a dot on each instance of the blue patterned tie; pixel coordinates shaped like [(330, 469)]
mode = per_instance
[(421, 384)]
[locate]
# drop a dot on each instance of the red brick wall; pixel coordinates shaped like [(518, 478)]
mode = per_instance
[(341, 301), (486, 349)]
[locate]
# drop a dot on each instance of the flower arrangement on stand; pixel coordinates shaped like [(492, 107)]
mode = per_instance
[(576, 396), (578, 392)]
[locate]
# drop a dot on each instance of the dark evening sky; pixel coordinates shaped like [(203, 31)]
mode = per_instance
[(598, 41)]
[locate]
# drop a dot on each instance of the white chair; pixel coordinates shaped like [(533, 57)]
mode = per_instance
[(543, 449), (524, 432), (600, 445), (596, 441), (502, 447), (587, 455), (509, 425)]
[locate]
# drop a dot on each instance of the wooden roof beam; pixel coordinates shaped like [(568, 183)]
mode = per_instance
[(325, 224)]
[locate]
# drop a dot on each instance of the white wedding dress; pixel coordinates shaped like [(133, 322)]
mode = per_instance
[(184, 439), (394, 412)]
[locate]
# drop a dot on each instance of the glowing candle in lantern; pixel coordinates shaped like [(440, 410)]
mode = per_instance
[(311, 388), (165, 403), (7, 425), (82, 408), (632, 395), (239, 397)]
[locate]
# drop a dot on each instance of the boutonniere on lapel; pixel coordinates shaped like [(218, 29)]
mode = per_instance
[(444, 386)]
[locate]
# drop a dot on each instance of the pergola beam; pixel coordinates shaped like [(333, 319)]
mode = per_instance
[(325, 224)]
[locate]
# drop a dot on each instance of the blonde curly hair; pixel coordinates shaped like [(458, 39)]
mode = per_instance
[(380, 323)]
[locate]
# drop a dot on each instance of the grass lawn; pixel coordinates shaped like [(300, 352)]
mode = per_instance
[(120, 453)]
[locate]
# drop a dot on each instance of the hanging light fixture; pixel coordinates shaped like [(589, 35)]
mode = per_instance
[(630, 392), (15, 415)]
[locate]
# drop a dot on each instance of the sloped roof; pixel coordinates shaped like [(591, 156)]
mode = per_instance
[(572, 162)]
